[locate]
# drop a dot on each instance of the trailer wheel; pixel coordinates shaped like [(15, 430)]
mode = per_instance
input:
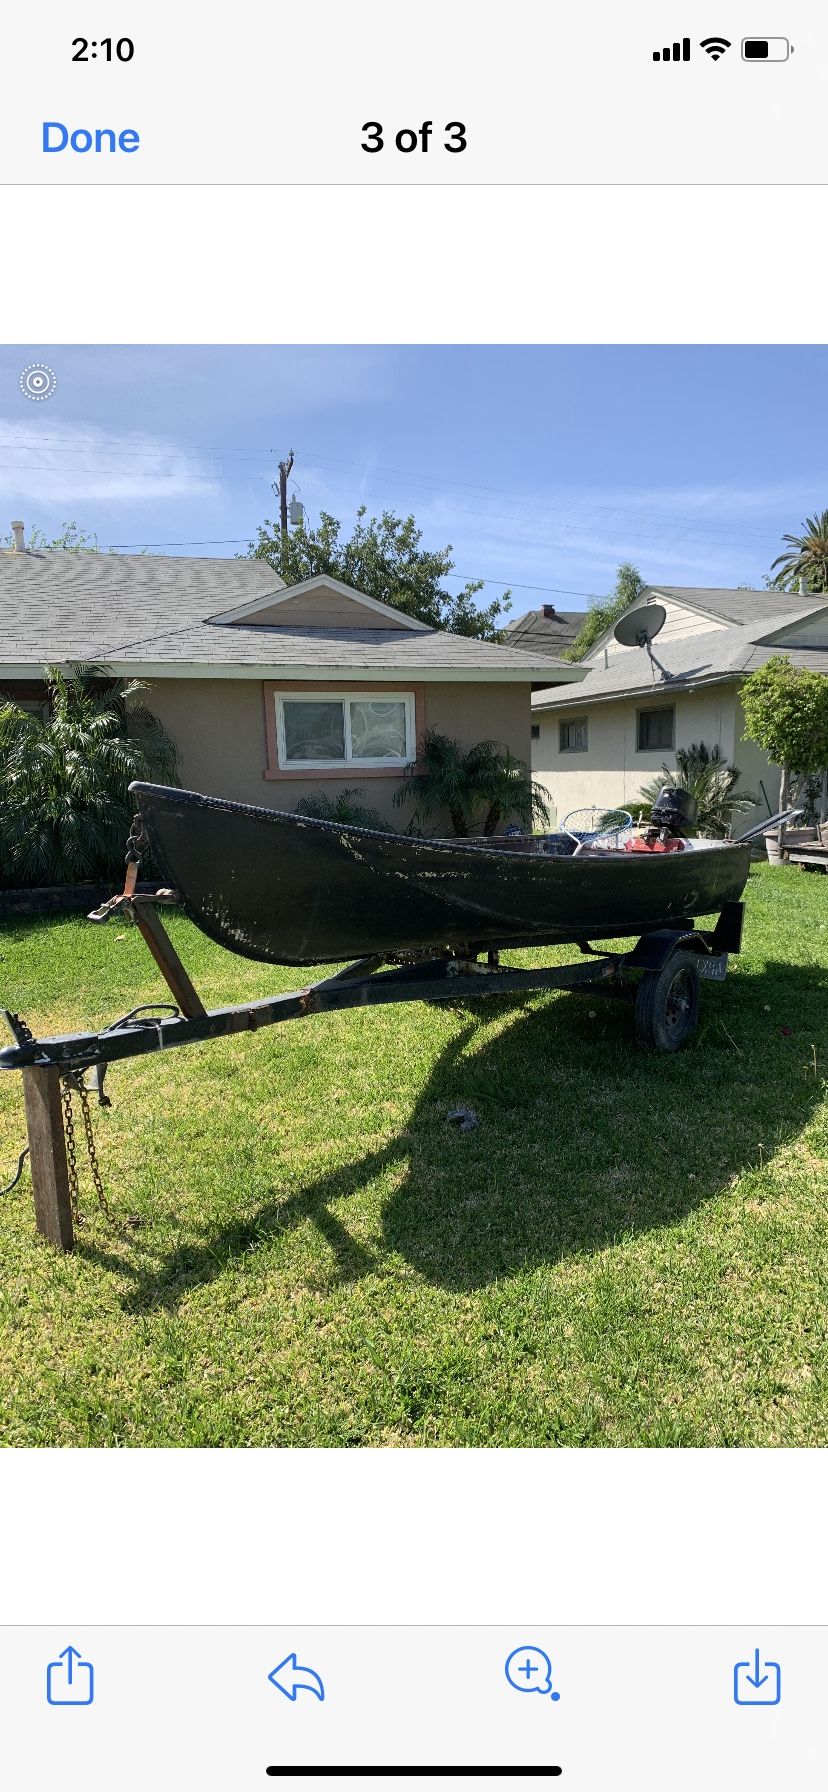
[(667, 1003)]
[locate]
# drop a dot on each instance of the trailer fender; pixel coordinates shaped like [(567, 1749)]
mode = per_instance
[(654, 949)]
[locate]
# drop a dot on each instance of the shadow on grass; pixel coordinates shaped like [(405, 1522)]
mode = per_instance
[(583, 1138)]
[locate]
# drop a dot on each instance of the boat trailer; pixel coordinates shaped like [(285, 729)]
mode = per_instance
[(660, 974)]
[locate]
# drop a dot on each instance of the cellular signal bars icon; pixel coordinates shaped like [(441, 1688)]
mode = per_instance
[(679, 53)]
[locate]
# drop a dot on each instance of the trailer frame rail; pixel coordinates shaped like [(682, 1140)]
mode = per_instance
[(442, 976)]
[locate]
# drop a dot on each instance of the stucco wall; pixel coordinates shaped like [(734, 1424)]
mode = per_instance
[(612, 770), (218, 726)]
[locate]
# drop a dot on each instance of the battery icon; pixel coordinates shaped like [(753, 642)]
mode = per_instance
[(766, 49)]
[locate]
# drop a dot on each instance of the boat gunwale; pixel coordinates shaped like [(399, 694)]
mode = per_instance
[(475, 844)]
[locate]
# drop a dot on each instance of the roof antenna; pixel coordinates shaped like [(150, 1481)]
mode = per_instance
[(640, 628)]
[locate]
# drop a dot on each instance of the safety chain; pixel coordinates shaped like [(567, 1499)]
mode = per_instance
[(136, 842), (72, 1084)]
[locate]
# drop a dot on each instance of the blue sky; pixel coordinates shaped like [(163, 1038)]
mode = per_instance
[(543, 466)]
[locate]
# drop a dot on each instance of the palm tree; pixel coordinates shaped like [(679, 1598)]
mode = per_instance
[(806, 558), (64, 806), (708, 778), (504, 786), (485, 785)]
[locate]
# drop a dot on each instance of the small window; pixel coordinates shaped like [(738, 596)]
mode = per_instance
[(656, 729), (573, 736), (325, 731), (536, 730)]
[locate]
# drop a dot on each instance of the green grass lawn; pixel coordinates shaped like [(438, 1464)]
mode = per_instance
[(628, 1250)]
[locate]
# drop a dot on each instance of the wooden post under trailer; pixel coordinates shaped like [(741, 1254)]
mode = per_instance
[(47, 1156)]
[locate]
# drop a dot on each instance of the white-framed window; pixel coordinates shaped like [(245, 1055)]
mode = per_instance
[(321, 730)]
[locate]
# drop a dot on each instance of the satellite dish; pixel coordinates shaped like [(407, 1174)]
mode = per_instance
[(641, 626)]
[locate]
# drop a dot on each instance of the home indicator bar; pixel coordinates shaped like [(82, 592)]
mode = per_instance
[(376, 1772)]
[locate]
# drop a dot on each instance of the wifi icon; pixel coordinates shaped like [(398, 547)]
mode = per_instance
[(715, 46)]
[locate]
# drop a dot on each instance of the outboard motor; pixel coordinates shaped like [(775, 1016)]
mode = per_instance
[(673, 815), (675, 810)]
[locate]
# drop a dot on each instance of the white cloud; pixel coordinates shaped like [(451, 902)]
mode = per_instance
[(45, 462)]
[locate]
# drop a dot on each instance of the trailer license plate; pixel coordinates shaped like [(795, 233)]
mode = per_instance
[(714, 968)]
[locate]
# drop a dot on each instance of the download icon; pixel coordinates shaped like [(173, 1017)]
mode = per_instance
[(757, 1682)]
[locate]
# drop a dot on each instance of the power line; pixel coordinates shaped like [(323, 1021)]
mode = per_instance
[(540, 504), (226, 541), (512, 585), (381, 474)]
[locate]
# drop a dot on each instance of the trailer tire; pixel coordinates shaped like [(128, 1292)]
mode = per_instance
[(667, 1003)]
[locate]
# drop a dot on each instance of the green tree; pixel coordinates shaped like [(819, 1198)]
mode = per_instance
[(383, 557), (64, 808), (708, 777), (480, 788), (806, 557), (629, 587), (786, 713)]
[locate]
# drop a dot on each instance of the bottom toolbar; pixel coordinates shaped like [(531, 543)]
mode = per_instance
[(231, 1708)]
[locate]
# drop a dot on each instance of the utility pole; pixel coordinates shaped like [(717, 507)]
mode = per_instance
[(284, 475)]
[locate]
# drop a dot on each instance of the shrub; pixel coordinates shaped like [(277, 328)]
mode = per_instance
[(343, 808), (708, 777), (65, 811)]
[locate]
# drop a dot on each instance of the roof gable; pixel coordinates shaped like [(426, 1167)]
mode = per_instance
[(694, 608), (320, 602), (708, 656), (810, 629)]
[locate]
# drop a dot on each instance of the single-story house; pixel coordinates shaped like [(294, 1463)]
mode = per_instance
[(547, 630), (268, 692), (600, 741)]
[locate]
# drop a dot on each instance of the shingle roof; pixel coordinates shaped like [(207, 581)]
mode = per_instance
[(243, 645), (707, 657), (148, 610), (537, 633), (64, 606), (729, 605)]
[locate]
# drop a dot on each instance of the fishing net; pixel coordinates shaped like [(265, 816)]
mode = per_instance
[(606, 829)]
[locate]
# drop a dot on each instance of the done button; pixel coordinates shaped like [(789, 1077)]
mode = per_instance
[(101, 141)]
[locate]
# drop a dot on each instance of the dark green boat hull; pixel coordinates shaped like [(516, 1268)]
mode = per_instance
[(286, 889)]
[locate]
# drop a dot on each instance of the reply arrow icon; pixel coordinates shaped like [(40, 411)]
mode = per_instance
[(291, 1679)]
